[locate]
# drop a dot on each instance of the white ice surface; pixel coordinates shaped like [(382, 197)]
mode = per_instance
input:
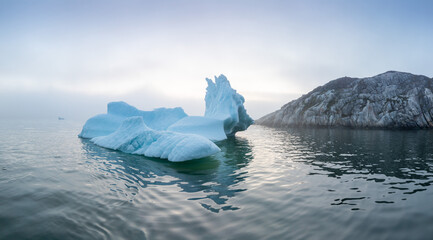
[(104, 124), (210, 128), (133, 136)]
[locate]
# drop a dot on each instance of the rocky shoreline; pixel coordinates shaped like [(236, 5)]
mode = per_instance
[(393, 100)]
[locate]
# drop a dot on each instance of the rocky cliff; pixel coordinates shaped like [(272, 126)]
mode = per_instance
[(388, 100)]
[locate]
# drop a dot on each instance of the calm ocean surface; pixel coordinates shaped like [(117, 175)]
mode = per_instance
[(265, 184)]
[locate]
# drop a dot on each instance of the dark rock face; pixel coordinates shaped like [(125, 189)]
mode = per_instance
[(388, 100)]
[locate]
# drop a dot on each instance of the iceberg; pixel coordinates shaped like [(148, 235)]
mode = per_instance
[(225, 113), (133, 136), (169, 132), (104, 124)]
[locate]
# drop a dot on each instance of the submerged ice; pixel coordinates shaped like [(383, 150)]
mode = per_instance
[(168, 132)]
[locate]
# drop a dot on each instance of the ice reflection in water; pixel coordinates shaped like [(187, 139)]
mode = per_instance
[(400, 160), (265, 184), (214, 178)]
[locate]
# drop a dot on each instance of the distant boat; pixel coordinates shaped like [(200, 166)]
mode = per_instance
[(60, 118)]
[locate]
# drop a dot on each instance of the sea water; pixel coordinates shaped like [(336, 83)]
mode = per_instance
[(264, 184)]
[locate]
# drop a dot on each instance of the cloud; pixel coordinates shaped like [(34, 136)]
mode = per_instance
[(160, 53)]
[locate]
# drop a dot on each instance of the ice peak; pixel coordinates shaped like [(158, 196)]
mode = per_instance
[(221, 79), (223, 102), (220, 82)]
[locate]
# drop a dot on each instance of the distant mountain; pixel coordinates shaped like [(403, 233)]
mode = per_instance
[(388, 100)]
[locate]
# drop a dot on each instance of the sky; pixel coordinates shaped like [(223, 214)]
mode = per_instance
[(70, 58)]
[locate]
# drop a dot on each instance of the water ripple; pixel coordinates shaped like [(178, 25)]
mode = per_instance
[(264, 184)]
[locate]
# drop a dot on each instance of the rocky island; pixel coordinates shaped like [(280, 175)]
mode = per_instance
[(388, 100)]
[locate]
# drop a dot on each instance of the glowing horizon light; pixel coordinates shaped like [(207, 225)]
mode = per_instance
[(162, 52)]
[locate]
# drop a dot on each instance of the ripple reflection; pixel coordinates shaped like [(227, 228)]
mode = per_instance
[(211, 181), (400, 160)]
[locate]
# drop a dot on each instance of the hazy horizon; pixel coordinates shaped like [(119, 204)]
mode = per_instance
[(71, 58)]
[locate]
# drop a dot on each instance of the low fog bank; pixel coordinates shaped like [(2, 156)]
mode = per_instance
[(51, 105), (54, 104)]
